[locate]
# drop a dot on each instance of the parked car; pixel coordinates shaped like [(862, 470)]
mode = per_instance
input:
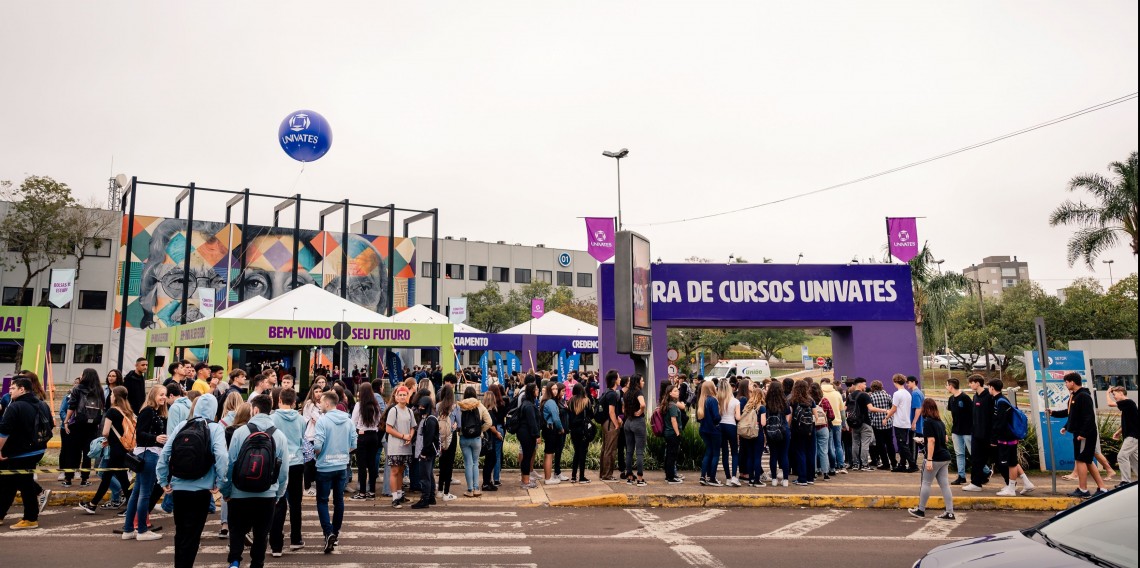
[(1098, 532), (946, 362), (991, 363)]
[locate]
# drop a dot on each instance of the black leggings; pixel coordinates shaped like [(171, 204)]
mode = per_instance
[(310, 474), (581, 447), (366, 447), (116, 458), (73, 450), (447, 464), (528, 445), (884, 439)]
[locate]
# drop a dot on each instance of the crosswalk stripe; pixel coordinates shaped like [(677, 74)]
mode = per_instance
[(935, 529), (389, 513), (393, 550), (369, 565), (803, 526)]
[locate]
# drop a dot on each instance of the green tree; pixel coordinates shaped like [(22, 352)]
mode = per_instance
[(36, 229), (486, 309), (1114, 213), (718, 341), (934, 292), (769, 341)]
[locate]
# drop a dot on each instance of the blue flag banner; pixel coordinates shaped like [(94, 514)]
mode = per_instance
[(500, 368), (483, 370), (514, 364), (562, 365), (701, 363), (572, 363), (395, 369)]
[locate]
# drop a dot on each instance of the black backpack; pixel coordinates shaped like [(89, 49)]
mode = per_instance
[(257, 466), (191, 452), (513, 422), (90, 407), (470, 424), (774, 429), (803, 421), (855, 417), (43, 427)]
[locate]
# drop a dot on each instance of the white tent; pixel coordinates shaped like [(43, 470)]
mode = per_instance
[(464, 328), (554, 323), (239, 310), (420, 313), (307, 303)]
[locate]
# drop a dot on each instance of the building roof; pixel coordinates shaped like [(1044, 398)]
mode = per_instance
[(554, 323)]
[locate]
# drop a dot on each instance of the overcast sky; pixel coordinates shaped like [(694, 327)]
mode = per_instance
[(497, 113)]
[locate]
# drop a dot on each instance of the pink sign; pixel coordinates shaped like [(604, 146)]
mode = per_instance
[(537, 307), (902, 233), (600, 237)]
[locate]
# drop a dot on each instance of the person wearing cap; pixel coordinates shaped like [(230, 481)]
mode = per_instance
[(426, 450)]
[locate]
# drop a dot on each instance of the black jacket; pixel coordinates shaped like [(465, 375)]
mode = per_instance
[(428, 431), (528, 420), (136, 391), (148, 428), (961, 411), (1000, 430), (19, 425), (983, 415), (1081, 415)]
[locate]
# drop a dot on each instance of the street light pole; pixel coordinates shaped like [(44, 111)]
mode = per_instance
[(945, 333), (617, 156), (1109, 263)]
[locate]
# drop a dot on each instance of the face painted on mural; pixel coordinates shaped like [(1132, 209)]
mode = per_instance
[(164, 279)]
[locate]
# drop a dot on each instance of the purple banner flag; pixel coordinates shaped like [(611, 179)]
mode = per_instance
[(600, 237), (902, 234), (537, 307)]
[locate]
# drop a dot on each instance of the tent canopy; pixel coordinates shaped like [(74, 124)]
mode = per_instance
[(419, 313), (464, 328), (553, 323), (241, 309), (305, 303)]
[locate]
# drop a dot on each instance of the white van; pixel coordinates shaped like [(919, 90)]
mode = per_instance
[(753, 369)]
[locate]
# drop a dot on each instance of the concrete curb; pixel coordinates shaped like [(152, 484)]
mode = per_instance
[(820, 501)]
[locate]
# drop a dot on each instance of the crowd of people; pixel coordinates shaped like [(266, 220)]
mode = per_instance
[(206, 433)]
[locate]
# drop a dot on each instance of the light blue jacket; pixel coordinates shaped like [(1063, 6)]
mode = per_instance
[(207, 408), (277, 490), (335, 438), (179, 412), (550, 414), (292, 425)]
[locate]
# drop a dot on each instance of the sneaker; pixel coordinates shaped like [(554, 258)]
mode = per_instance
[(629, 481), (235, 564), (947, 516), (1101, 492), (275, 554), (972, 487), (44, 496), (734, 482), (783, 483), (1027, 489), (556, 481), (24, 525), (449, 497), (800, 483), (1007, 491), (329, 543), (470, 494), (581, 481), (713, 483), (869, 469), (130, 535), (297, 546), (65, 483), (673, 481), (311, 493), (641, 483), (85, 483), (1080, 494), (765, 478), (477, 493), (562, 477), (498, 483), (959, 481), (842, 470), (810, 482), (916, 512), (703, 481), (87, 507), (396, 504), (224, 533), (775, 483), (371, 496), (112, 504), (826, 477), (121, 513), (359, 496), (149, 535), (532, 485), (421, 504)]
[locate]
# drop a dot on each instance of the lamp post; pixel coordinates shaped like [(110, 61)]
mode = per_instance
[(1109, 263), (617, 156), (945, 333)]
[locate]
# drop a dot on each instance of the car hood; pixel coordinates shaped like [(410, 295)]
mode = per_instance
[(1003, 550)]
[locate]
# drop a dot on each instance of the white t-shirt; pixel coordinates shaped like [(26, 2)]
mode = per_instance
[(901, 401), (729, 416)]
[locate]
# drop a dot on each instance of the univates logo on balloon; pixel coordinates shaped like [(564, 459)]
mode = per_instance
[(305, 135), (298, 122)]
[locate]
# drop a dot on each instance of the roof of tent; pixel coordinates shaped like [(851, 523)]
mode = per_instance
[(464, 328), (309, 303), (554, 323), (239, 310), (420, 313)]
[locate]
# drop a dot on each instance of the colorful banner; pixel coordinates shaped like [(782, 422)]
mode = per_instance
[(902, 234), (500, 368), (600, 237), (1051, 382), (62, 286), (514, 364), (561, 366), (483, 370), (457, 310), (701, 363), (537, 307)]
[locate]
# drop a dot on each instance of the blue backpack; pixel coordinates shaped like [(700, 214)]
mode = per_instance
[(1018, 422)]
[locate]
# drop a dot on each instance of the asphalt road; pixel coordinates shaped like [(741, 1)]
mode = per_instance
[(374, 535)]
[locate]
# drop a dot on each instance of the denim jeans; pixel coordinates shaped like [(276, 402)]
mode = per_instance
[(116, 488), (835, 454), (471, 448), (499, 453), (139, 503), (961, 448), (334, 481), (822, 444), (712, 453), (729, 452)]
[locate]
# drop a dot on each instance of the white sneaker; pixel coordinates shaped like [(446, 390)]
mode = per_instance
[(775, 483), (733, 482), (1007, 491), (784, 483), (562, 477), (149, 535), (1027, 489), (553, 481), (129, 535), (971, 487), (449, 497), (311, 493)]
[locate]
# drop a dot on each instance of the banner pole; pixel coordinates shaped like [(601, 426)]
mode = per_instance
[(890, 257)]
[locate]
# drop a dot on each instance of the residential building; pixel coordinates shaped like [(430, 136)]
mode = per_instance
[(996, 273)]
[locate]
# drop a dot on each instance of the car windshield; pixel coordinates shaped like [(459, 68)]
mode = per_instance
[(719, 372), (1105, 528)]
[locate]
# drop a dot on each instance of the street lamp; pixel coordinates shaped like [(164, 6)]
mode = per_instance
[(945, 333), (1109, 263), (617, 156), (799, 259)]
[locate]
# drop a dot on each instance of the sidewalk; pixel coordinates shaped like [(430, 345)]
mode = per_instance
[(876, 490)]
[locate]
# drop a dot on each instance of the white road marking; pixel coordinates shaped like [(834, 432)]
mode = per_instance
[(376, 565), (803, 526), (684, 547), (413, 523), (935, 529), (679, 523), (388, 513), (392, 550)]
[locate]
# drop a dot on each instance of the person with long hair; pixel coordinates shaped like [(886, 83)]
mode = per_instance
[(311, 412), (743, 391), (113, 379), (802, 441), (150, 434), (671, 414), (471, 437), (581, 431), (528, 434), (446, 410), (937, 461), (366, 420), (752, 449), (729, 447), (822, 411), (119, 430), (229, 408), (635, 433), (84, 412), (496, 405), (553, 431), (774, 418), (708, 415)]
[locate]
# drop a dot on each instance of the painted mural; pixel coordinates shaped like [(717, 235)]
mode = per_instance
[(155, 289)]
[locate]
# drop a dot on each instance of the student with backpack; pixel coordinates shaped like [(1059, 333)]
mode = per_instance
[(524, 425), (553, 431), (448, 416), (400, 428), (708, 414), (823, 415), (859, 422), (257, 478), (495, 404), (334, 440), (25, 428), (290, 422), (194, 463), (670, 414), (582, 432), (774, 416), (366, 419), (751, 440), (1009, 426), (803, 434), (473, 422), (81, 426), (119, 431), (425, 450)]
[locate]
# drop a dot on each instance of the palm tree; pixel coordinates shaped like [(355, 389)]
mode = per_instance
[(933, 290), (1101, 224)]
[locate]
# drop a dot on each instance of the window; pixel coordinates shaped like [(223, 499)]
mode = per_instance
[(88, 353), (92, 300), (44, 303), (98, 247), (17, 296), (58, 353), (544, 276), (1008, 282), (453, 271), (587, 359), (522, 276), (501, 274), (585, 280), (478, 273), (1009, 272), (565, 278), (9, 352), (429, 269)]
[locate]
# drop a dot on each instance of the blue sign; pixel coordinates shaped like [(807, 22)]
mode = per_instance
[(305, 135), (576, 343), (564, 259), (487, 342), (1050, 383), (775, 292)]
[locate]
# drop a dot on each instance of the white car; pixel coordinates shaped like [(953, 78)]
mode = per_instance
[(755, 369), (991, 363)]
